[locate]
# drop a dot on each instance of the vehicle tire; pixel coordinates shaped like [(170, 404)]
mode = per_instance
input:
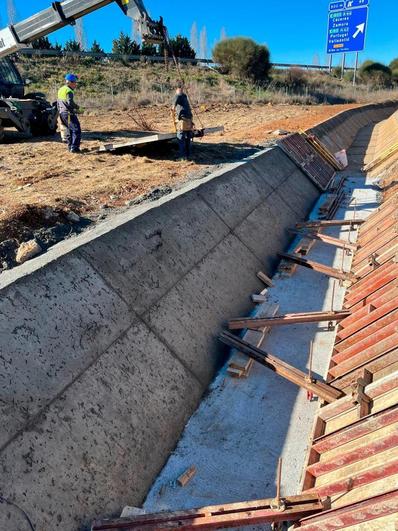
[(2, 133), (51, 125), (27, 127)]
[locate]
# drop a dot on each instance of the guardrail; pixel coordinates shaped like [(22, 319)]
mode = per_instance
[(155, 59)]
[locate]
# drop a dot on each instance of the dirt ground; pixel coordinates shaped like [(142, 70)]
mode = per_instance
[(41, 173)]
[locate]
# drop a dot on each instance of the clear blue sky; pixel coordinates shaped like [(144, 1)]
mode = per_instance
[(294, 30)]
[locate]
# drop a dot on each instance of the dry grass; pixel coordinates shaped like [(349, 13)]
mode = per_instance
[(113, 85)]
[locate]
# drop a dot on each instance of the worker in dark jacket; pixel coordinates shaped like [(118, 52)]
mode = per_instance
[(68, 110), (183, 120)]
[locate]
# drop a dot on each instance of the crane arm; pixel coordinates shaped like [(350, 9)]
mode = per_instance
[(60, 14)]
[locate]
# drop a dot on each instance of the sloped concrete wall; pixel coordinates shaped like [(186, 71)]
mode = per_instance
[(340, 131), (108, 341)]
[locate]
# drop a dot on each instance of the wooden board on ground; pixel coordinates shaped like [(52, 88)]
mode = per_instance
[(239, 365), (148, 137)]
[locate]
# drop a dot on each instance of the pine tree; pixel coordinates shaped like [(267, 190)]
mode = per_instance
[(96, 48), (72, 46), (124, 45)]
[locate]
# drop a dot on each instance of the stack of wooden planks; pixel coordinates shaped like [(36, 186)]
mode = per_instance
[(354, 450)]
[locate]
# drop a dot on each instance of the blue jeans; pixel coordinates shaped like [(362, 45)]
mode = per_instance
[(184, 143), (74, 135)]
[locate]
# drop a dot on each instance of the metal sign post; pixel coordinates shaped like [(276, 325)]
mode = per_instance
[(354, 81), (348, 22)]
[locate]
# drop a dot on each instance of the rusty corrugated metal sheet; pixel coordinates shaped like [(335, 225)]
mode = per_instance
[(308, 159)]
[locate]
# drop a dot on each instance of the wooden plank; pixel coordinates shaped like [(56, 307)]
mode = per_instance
[(319, 388), (373, 390), (379, 403), (145, 139), (370, 448), (186, 477), (335, 242), (364, 356), (375, 325), (254, 323), (240, 365), (258, 299), (358, 429), (329, 223), (357, 475), (379, 367), (320, 268), (370, 315), (148, 137), (385, 293), (364, 492), (386, 256), (363, 512), (264, 278)]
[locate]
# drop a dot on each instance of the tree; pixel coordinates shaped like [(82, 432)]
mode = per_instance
[(42, 43), (72, 46), (182, 48), (394, 69), (243, 58), (295, 78), (394, 64), (223, 34), (96, 48), (124, 45), (194, 38), (375, 74), (203, 43)]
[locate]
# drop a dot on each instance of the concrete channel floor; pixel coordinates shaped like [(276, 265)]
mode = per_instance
[(243, 426)]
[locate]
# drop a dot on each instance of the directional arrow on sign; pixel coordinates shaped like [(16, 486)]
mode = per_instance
[(360, 29)]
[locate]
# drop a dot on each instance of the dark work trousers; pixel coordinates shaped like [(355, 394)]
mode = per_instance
[(184, 143), (74, 135)]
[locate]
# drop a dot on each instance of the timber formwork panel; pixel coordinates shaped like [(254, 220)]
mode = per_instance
[(353, 456)]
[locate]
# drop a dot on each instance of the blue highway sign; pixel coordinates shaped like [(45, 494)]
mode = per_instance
[(347, 28), (336, 5)]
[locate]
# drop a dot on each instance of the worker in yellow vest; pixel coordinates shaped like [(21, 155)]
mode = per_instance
[(68, 110)]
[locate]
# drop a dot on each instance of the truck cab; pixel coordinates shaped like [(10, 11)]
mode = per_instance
[(11, 83)]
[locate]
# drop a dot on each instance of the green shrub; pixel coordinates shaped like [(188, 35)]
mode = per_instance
[(295, 78), (124, 45), (243, 58), (375, 74)]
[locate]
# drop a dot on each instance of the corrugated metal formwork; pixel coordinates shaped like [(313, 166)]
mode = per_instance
[(308, 159)]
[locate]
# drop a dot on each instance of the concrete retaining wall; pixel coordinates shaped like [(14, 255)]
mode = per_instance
[(108, 341), (340, 131)]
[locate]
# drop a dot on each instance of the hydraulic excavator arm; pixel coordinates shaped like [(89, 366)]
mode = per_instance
[(60, 14)]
